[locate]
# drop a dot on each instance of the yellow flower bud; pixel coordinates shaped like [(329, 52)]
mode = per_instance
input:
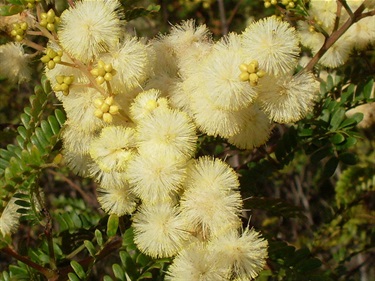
[(244, 76), (108, 77), (94, 72), (253, 78), (57, 88), (107, 117), (113, 109), (51, 53), (24, 26), (68, 80), (51, 64), (45, 59), (98, 103), (151, 105), (57, 59), (50, 26), (100, 80), (108, 67), (19, 38), (60, 79), (243, 67), (261, 73), (101, 71), (109, 100), (98, 113), (104, 107)]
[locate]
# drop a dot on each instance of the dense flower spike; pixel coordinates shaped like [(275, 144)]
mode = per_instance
[(119, 201)]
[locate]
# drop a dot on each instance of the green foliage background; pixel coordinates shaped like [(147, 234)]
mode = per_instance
[(309, 190)]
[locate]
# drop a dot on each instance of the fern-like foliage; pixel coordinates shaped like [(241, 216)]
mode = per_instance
[(22, 163)]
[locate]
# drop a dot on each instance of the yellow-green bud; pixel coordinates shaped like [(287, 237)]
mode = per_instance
[(100, 80), (45, 59), (57, 59), (101, 71), (113, 109), (98, 113), (51, 53), (251, 68), (95, 72), (60, 79), (261, 73), (243, 67), (109, 100), (50, 26), (244, 76), (104, 107), (19, 38), (13, 32), (24, 26), (68, 80), (108, 67), (108, 77), (57, 88), (107, 117), (51, 64), (98, 103), (253, 78)]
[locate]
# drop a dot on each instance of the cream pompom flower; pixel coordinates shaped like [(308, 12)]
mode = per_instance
[(310, 38), (338, 53), (132, 61), (211, 201), (14, 63), (145, 103), (215, 121), (243, 254), (89, 28), (9, 218), (218, 80), (114, 148), (256, 130), (288, 98), (159, 230), (324, 12), (156, 177), (168, 131), (117, 200), (80, 109), (196, 263), (273, 43)]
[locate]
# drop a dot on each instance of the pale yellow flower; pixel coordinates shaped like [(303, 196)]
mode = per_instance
[(288, 98), (114, 148), (117, 200), (156, 177), (9, 218), (89, 28), (255, 132), (14, 63), (211, 201), (159, 230), (196, 263), (273, 43), (168, 131), (243, 254)]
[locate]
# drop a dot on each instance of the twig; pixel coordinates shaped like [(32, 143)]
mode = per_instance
[(223, 20), (334, 37)]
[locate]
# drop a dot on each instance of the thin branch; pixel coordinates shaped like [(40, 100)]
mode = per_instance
[(223, 20), (234, 12), (50, 274), (334, 37)]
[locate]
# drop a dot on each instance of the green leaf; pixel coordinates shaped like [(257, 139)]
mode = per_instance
[(46, 84), (351, 121), (118, 272), (41, 137), (9, 10), (25, 119), (23, 203), (337, 138), (90, 247), (46, 128), (128, 263), (348, 158), (337, 117), (60, 116), (320, 154), (99, 237), (145, 275), (78, 269), (73, 277), (367, 89), (330, 167), (54, 124), (107, 278), (112, 225), (22, 131)]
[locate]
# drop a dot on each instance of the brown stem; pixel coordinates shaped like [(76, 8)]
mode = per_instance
[(223, 20), (334, 37), (33, 45), (234, 12), (48, 273)]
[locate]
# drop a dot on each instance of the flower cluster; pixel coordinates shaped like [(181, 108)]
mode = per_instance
[(324, 19), (133, 112)]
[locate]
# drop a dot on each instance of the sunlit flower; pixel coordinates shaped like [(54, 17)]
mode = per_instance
[(273, 43), (255, 132), (168, 131), (196, 263), (289, 98), (131, 59), (90, 28), (324, 12), (119, 201), (338, 53), (145, 103), (159, 230), (244, 254), (211, 201), (14, 63), (114, 148), (218, 79), (155, 178), (9, 218)]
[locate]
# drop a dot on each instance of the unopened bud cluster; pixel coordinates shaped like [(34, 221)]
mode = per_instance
[(103, 72), (51, 58), (49, 20), (251, 72), (105, 108), (289, 4), (19, 31), (63, 84)]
